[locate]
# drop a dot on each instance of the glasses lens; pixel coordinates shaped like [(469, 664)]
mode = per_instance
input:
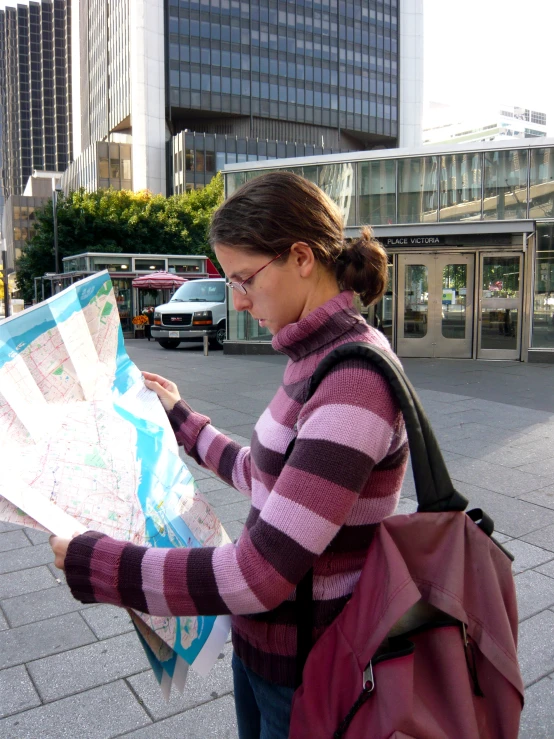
[(237, 286)]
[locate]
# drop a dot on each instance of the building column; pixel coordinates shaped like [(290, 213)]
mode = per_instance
[(410, 44), (147, 42)]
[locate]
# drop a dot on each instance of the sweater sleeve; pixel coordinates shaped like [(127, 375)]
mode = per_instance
[(210, 448), (349, 426)]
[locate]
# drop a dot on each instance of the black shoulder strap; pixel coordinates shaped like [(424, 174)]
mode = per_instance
[(434, 488), (304, 622)]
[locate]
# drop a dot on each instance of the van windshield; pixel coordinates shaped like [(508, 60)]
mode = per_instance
[(201, 291)]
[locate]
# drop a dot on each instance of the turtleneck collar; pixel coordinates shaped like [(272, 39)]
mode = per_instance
[(320, 327)]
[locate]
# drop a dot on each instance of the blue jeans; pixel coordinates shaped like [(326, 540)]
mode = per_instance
[(263, 709)]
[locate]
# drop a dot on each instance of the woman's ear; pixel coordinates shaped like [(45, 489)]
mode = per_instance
[(303, 258)]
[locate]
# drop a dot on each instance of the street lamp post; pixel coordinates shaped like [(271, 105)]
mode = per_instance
[(5, 277), (56, 188)]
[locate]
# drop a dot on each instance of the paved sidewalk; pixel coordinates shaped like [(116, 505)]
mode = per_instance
[(67, 670)]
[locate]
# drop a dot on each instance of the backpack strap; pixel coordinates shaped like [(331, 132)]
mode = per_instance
[(486, 524), (434, 488), (304, 622)]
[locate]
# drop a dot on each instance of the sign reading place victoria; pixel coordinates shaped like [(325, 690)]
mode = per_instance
[(413, 241)]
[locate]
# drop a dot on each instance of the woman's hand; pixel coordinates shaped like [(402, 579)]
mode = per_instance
[(166, 390), (59, 547)]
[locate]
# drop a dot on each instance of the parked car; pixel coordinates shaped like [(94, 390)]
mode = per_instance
[(197, 308)]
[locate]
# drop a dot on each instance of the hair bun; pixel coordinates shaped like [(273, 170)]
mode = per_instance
[(362, 267)]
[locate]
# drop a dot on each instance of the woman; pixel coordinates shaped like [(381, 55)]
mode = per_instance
[(280, 241)]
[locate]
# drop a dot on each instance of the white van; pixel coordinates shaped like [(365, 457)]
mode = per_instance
[(197, 308)]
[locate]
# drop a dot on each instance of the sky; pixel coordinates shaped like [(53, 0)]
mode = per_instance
[(483, 52)]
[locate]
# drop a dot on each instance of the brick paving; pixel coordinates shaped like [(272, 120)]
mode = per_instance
[(70, 670)]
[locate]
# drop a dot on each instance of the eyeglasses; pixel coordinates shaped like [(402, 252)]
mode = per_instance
[(239, 286)]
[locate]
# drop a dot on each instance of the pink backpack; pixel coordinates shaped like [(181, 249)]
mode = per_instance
[(426, 646)]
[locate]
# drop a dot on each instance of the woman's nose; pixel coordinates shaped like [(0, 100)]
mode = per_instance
[(241, 302)]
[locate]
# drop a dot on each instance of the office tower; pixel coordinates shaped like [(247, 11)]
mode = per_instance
[(35, 90), (191, 84), (1, 180)]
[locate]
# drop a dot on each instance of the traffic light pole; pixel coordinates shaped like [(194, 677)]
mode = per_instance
[(55, 218), (5, 279)]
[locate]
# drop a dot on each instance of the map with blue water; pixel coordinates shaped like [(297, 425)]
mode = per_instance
[(85, 445)]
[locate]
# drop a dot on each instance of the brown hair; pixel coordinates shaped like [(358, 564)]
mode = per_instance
[(270, 213)]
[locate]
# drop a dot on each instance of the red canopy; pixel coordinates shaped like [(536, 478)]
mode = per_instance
[(159, 281)]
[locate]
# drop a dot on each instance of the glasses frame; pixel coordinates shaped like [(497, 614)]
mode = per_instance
[(239, 286)]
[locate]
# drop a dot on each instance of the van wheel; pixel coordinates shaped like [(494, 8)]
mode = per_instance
[(169, 343), (217, 342)]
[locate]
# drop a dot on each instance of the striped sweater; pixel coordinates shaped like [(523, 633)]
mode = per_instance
[(317, 509)]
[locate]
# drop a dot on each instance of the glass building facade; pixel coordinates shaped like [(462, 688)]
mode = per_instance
[(479, 202), (19, 222), (241, 81), (35, 90), (1, 179), (543, 299), (102, 164), (196, 157), (104, 94), (504, 184), (105, 74), (303, 70)]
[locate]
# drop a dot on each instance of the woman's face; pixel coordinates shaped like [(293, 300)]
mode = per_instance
[(280, 293)]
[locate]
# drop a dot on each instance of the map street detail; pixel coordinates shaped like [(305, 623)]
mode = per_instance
[(84, 445)]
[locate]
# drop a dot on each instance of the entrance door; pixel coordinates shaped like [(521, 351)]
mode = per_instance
[(435, 305), (500, 305)]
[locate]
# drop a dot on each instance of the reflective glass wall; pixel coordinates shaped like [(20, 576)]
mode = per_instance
[(505, 192), (543, 306), (460, 187), (377, 192), (20, 224), (541, 184), (114, 166), (506, 184), (417, 190), (198, 156), (328, 63), (242, 327), (337, 180)]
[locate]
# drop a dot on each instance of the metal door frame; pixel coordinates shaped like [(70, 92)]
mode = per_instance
[(465, 345), (504, 354), (419, 258), (434, 306)]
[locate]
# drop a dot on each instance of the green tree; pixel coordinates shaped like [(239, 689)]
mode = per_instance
[(117, 221)]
